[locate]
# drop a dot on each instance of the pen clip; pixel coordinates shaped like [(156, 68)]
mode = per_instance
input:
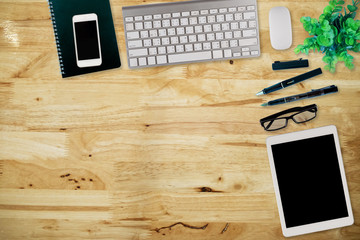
[(326, 90), (328, 87)]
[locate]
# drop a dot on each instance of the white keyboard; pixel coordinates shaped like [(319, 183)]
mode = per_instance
[(192, 31)]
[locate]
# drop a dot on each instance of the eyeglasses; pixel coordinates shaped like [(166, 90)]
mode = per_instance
[(278, 121)]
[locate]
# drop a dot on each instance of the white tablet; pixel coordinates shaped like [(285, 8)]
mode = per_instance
[(309, 181)]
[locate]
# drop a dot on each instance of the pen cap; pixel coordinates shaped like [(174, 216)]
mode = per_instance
[(331, 89)]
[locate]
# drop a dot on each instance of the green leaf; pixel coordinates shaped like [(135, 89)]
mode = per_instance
[(339, 38), (341, 2), (326, 59), (351, 8), (328, 10), (297, 50), (327, 67), (325, 26), (305, 19)]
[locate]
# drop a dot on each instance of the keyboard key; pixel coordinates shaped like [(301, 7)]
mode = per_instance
[(220, 18), (250, 8), (249, 15), (129, 26), (166, 23), (189, 48), (192, 38), (174, 40), (135, 44), (204, 12), (148, 17), (233, 43), (161, 50), (138, 52), (254, 52), (147, 25), (213, 11), (229, 17), (224, 44), (133, 62), (147, 43), (138, 18), (144, 34), (185, 57), (193, 20), (234, 25), (156, 42), (157, 24), (179, 48), (175, 15), (217, 54), (233, 9), (252, 24), (133, 35), (247, 42), (139, 26), (142, 61), (175, 22), (184, 21), (246, 53), (185, 14), (243, 25), (162, 32), (249, 33), (153, 33), (161, 59), (157, 16), (207, 46), (167, 15), (227, 53), (129, 19), (238, 16), (215, 45), (241, 9), (195, 13), (170, 49), (151, 61), (222, 10), (153, 51), (197, 46)]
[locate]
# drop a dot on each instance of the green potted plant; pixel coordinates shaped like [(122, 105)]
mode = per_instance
[(334, 34)]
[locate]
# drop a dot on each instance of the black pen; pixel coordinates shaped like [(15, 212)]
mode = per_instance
[(311, 94), (290, 81)]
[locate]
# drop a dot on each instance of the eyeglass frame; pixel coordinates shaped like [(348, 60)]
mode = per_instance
[(298, 110)]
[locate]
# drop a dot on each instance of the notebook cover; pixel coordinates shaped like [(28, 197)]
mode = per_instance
[(62, 12)]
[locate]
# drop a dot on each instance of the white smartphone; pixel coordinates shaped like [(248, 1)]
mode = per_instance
[(87, 40)]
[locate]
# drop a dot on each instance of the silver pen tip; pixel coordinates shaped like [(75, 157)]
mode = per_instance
[(260, 93)]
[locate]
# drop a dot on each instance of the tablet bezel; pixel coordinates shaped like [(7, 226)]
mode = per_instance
[(319, 226)]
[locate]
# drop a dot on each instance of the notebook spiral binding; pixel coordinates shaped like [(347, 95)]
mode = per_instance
[(52, 15)]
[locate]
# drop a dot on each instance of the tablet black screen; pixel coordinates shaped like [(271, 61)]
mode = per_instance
[(309, 180)]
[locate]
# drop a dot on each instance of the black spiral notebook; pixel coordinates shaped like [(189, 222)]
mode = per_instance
[(85, 36)]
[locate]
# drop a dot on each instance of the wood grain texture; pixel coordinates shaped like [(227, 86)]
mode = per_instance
[(171, 152)]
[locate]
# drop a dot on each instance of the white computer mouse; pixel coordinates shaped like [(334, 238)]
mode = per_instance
[(280, 28)]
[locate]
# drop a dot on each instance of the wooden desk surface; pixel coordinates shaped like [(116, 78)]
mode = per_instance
[(124, 154)]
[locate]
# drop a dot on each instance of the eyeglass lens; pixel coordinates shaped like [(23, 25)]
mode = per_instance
[(304, 116), (279, 123)]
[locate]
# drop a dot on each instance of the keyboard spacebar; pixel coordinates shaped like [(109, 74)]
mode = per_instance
[(188, 57)]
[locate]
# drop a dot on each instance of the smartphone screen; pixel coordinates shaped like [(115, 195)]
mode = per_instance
[(87, 40)]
